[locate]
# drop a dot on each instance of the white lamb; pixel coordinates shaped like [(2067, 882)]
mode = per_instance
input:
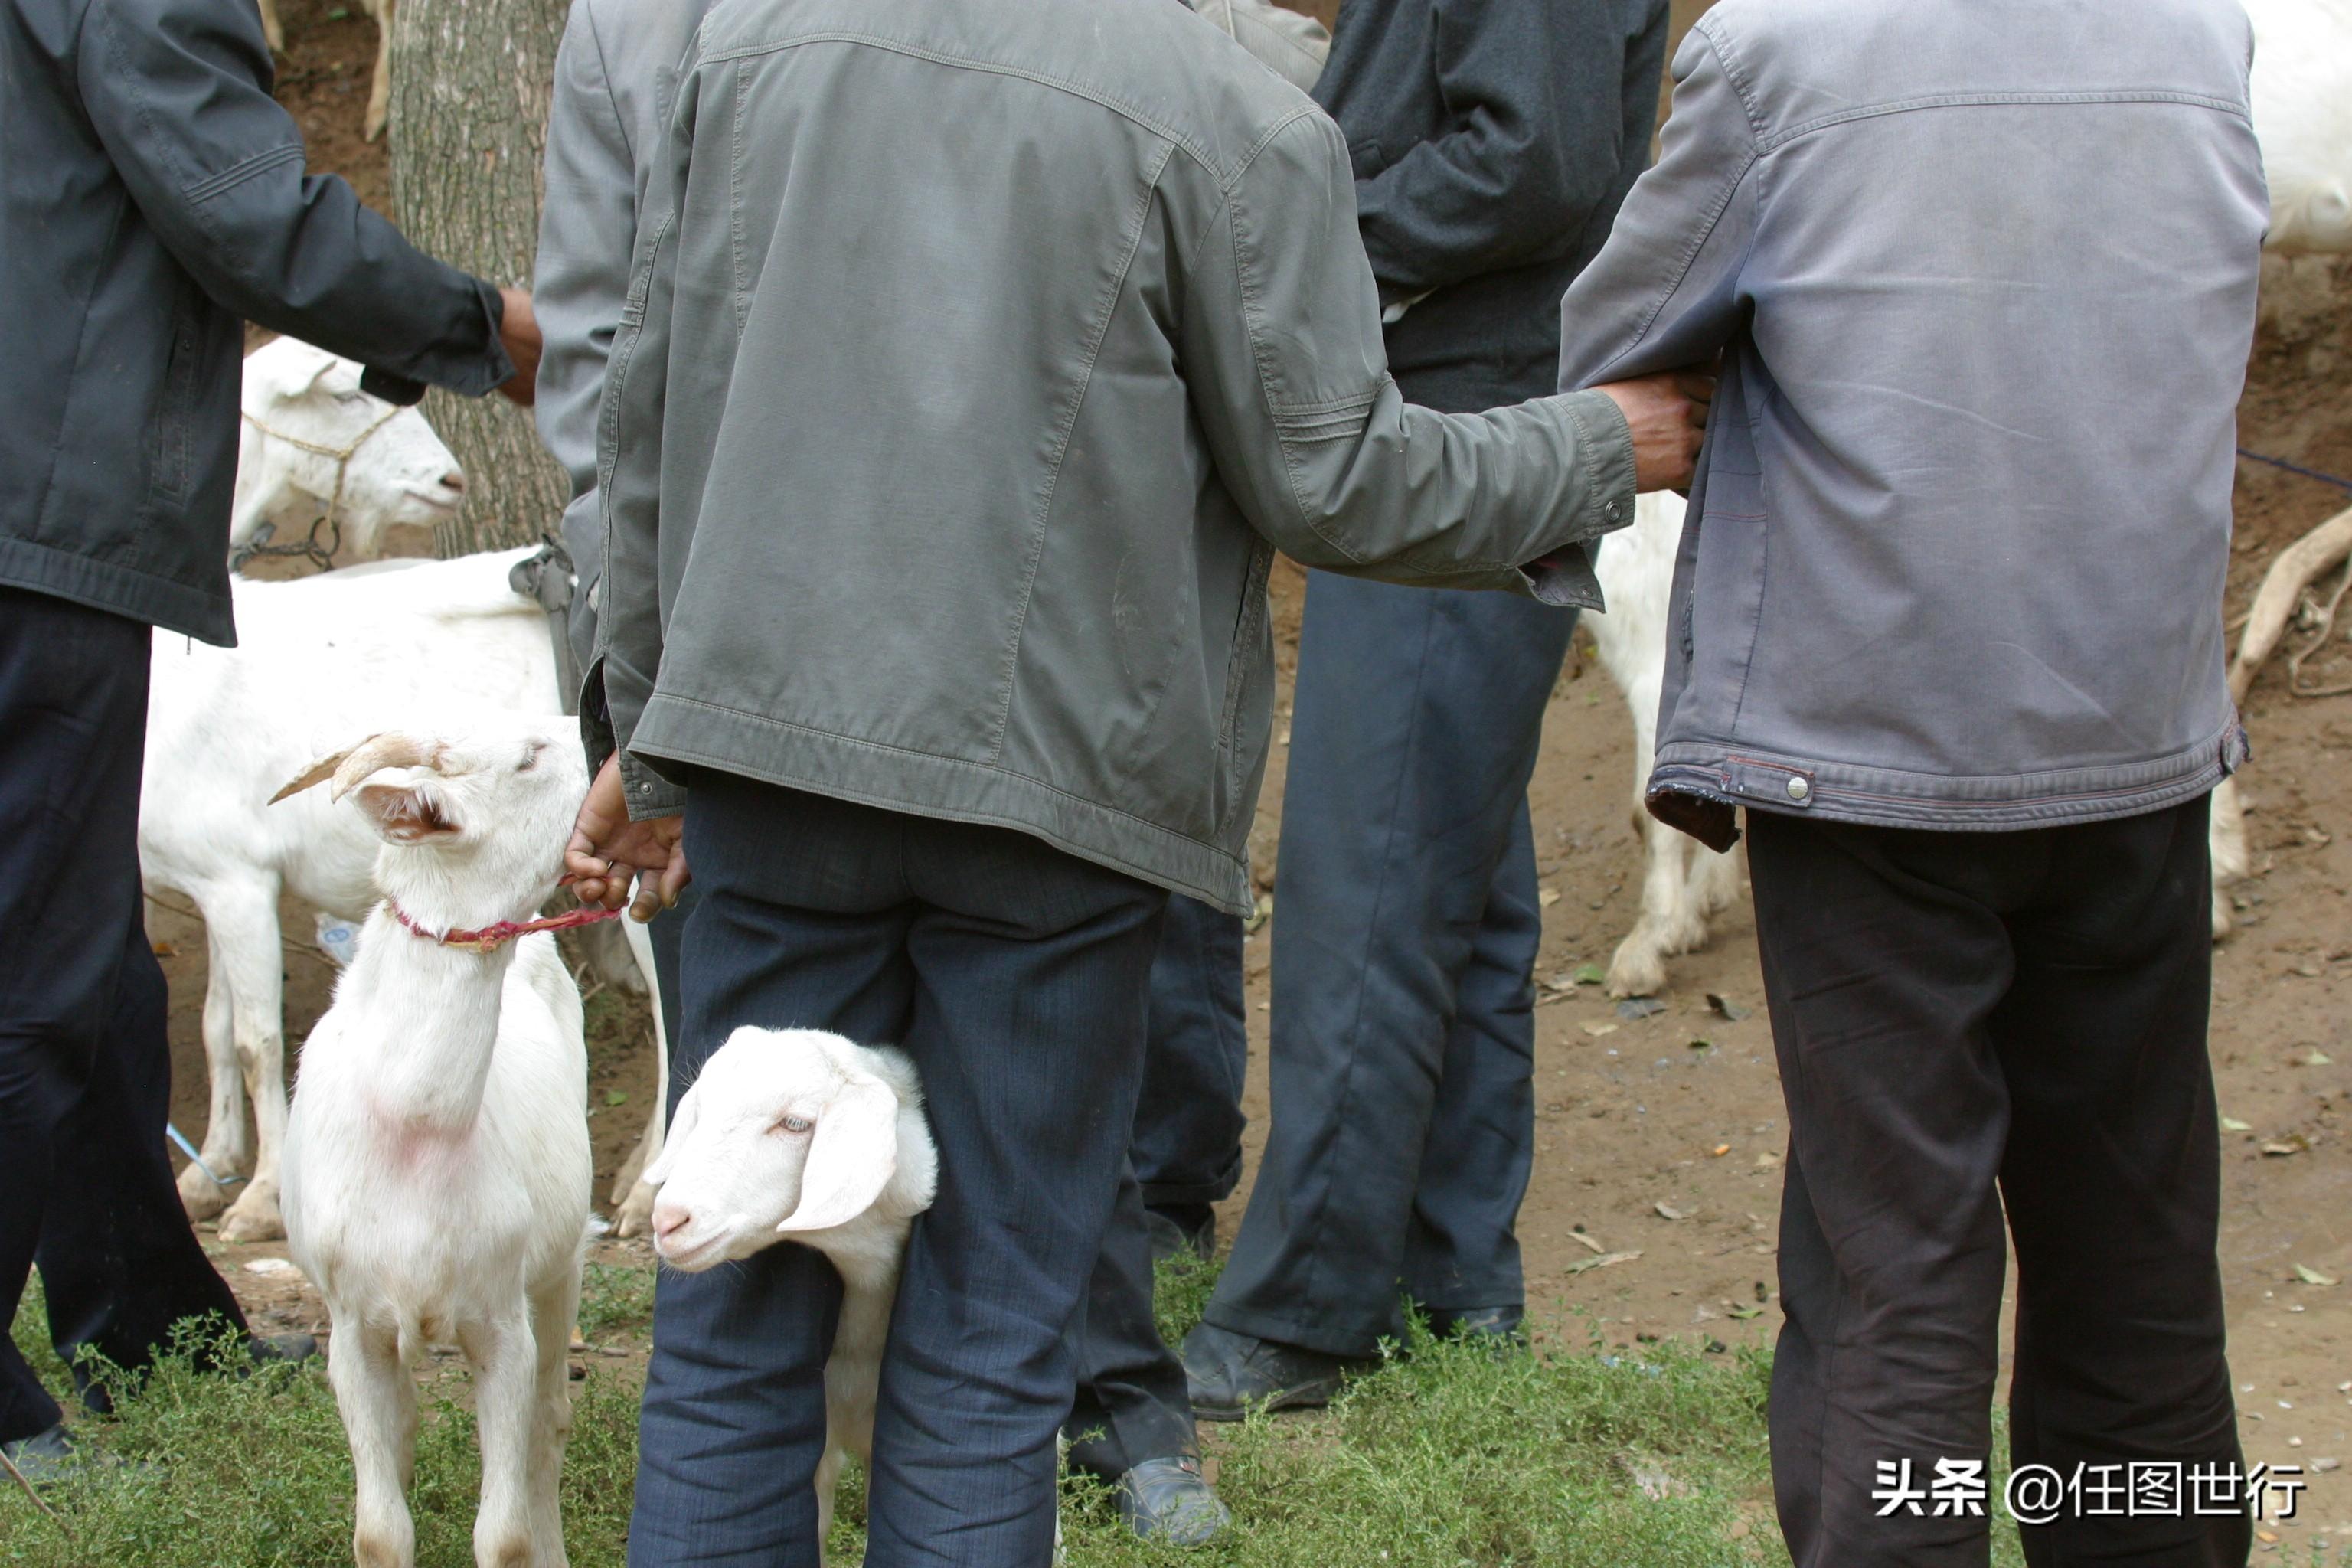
[(339, 653), (311, 441), (798, 1135), (437, 1166)]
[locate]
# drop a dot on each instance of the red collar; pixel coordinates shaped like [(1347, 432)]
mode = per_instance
[(491, 938)]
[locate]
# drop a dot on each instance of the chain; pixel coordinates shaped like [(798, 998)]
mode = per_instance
[(320, 551)]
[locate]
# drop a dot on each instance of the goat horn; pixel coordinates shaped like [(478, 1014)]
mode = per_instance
[(318, 773), (378, 752)]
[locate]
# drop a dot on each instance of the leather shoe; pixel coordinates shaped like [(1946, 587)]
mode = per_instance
[(51, 1457), (281, 1349), (1170, 1499), (1502, 1325), (1229, 1374), (1172, 1230)]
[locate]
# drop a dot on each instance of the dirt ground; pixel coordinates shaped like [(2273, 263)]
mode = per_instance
[(1635, 1119)]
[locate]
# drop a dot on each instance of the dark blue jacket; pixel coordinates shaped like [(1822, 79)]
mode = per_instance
[(1492, 141), (151, 193)]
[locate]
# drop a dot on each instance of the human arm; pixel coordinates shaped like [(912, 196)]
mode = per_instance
[(177, 93), (1283, 359), (587, 231), (1534, 90), (1667, 290)]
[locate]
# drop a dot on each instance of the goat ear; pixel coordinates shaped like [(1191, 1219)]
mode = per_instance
[(318, 773), (681, 1122), (852, 1156)]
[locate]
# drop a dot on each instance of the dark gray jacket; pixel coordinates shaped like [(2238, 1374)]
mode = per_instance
[(980, 357), (1983, 278), (1492, 141), (151, 193)]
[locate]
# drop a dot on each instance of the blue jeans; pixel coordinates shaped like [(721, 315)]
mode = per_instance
[(1405, 931), (1015, 977)]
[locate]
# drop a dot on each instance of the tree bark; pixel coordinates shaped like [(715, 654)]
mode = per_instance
[(471, 84)]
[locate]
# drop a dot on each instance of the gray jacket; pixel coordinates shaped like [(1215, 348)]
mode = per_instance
[(152, 199), (615, 82), (1983, 278), (979, 358)]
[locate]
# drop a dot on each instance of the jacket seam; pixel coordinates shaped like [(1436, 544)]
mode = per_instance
[(993, 764), (237, 173), (2004, 100), (1689, 258), (735, 203), (966, 62), (1735, 71), (1084, 384), (604, 69)]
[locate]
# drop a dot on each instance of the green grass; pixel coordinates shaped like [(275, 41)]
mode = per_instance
[(1448, 1456)]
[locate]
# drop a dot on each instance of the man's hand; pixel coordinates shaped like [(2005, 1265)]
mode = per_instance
[(608, 851), (519, 332), (1667, 414)]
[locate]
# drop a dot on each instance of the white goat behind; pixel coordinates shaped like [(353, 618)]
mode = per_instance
[(323, 657), (310, 440), (1683, 881), (800, 1135), (2302, 114), (436, 1165)]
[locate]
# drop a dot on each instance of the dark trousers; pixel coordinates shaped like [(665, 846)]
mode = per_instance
[(85, 1067), (1187, 1120), (1405, 931), (1132, 1403), (1014, 976), (1967, 1022)]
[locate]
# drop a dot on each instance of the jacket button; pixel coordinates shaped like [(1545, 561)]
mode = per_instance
[(1799, 789)]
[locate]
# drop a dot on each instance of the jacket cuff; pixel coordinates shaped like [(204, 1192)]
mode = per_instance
[(645, 793), (475, 377), (1604, 446)]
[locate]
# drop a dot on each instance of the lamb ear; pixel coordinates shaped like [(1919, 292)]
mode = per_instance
[(852, 1156), (318, 773), (681, 1124)]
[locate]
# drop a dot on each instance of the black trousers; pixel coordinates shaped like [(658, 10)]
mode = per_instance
[(1015, 975), (1966, 1023), (1132, 1403), (85, 1068)]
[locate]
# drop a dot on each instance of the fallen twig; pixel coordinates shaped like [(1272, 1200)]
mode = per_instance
[(2298, 566), (39, 1501)]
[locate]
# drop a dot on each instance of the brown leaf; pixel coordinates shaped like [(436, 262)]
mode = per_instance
[(1606, 1261)]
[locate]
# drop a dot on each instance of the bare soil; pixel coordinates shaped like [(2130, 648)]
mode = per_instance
[(1634, 1113)]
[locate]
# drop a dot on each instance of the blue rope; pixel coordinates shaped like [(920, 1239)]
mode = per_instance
[(176, 1136), (2296, 469)]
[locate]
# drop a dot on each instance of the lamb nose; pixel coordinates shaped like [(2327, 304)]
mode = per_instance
[(668, 1219), (454, 481)]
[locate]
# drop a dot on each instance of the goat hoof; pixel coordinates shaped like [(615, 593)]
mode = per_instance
[(253, 1217), (201, 1195), (636, 1215), (1636, 973)]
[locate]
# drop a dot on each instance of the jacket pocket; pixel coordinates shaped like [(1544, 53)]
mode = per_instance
[(170, 451), (1246, 702)]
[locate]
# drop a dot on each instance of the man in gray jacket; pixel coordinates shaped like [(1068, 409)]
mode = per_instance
[(977, 358), (1948, 624), (615, 83)]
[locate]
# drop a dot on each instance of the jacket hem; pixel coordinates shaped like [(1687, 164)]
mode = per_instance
[(1695, 786), (683, 730), (119, 590)]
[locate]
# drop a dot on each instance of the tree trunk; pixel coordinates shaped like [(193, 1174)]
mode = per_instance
[(470, 83)]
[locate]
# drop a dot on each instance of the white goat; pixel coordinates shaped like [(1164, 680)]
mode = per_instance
[(339, 653), (798, 1135), (311, 443), (1682, 882), (438, 1166), (2303, 114)]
